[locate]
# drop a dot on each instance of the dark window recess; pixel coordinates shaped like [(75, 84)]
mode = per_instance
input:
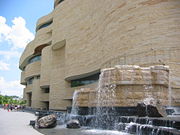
[(60, 1), (44, 25), (38, 77), (23, 69), (85, 80), (35, 58), (46, 90), (30, 81)]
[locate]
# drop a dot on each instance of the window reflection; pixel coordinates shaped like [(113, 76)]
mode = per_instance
[(86, 80), (35, 58), (30, 81), (60, 1), (44, 25)]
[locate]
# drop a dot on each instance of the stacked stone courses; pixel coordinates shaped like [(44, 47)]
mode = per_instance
[(86, 36), (130, 84)]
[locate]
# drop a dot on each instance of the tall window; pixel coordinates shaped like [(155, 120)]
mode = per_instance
[(46, 90), (30, 81), (38, 77), (86, 80)]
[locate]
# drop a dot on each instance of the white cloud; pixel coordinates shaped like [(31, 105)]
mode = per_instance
[(16, 37), (4, 66), (10, 87), (10, 54), (17, 34)]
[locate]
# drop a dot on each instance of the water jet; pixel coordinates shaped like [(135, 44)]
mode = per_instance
[(113, 104)]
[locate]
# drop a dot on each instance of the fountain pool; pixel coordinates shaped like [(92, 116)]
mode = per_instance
[(111, 108)]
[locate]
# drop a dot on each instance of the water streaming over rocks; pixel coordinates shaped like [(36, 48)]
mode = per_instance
[(74, 109), (170, 90), (105, 115), (105, 99)]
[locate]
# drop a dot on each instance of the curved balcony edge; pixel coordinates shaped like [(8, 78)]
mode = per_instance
[(32, 69), (58, 45), (23, 82), (30, 52), (57, 2), (43, 20)]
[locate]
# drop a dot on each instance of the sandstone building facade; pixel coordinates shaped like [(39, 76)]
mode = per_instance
[(81, 37)]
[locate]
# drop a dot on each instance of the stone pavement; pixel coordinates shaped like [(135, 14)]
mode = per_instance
[(16, 123)]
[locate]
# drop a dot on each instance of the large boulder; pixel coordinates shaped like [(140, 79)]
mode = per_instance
[(152, 111), (48, 121), (147, 110), (73, 124), (141, 110)]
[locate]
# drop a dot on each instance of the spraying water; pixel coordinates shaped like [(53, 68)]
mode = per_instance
[(74, 110), (170, 91)]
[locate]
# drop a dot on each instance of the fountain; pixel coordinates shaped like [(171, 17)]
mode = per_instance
[(112, 105)]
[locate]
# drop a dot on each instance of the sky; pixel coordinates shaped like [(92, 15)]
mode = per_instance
[(17, 28)]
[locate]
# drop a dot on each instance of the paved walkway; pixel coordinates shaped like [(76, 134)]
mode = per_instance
[(16, 123)]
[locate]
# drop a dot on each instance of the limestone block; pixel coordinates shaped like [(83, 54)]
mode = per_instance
[(135, 95), (130, 87)]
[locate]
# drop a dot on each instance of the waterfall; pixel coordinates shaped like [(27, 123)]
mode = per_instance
[(74, 109), (105, 92), (106, 97), (169, 90), (104, 102)]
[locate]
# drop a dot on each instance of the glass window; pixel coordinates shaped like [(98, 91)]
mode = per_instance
[(86, 80), (30, 81), (60, 1), (35, 58), (46, 90), (38, 77), (44, 25), (23, 69)]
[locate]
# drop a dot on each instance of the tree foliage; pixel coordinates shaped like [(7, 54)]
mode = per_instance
[(11, 100)]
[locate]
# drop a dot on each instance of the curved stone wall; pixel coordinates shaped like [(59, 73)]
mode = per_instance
[(26, 55), (45, 67), (28, 89), (86, 36), (23, 78), (57, 2), (32, 69), (44, 20), (43, 36), (110, 28)]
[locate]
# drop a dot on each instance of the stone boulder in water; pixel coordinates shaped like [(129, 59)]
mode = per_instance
[(73, 124), (147, 110), (48, 121), (141, 110)]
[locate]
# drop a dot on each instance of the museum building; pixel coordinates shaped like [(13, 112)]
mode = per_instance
[(80, 37)]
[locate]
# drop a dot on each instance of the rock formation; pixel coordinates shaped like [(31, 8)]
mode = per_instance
[(73, 124), (48, 121)]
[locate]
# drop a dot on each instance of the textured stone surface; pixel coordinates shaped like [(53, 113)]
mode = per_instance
[(73, 124), (47, 121), (101, 35), (147, 110), (134, 84)]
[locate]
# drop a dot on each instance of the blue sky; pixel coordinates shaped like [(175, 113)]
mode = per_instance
[(17, 27)]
